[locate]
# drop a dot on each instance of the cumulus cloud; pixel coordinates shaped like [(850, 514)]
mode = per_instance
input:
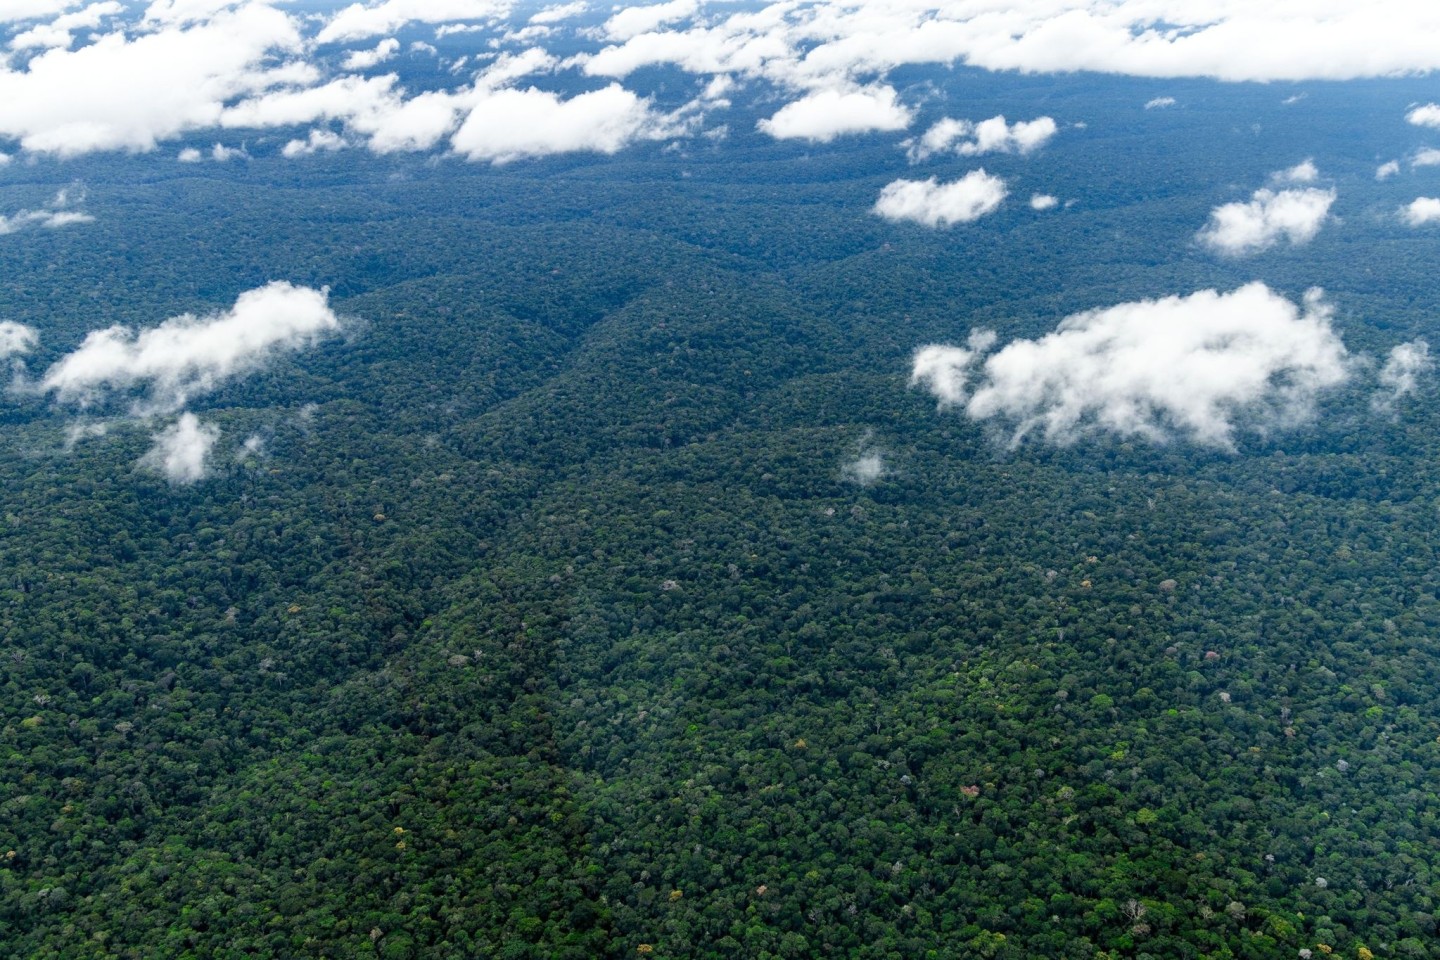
[(190, 155), (513, 124), (1270, 216), (365, 59), (180, 451), (808, 45), (1192, 367), (54, 215), (126, 92), (633, 21), (319, 140), (451, 29), (558, 12), (1427, 115), (1387, 170), (176, 68), (1426, 157), (60, 32), (826, 114), (485, 121), (1159, 103), (1043, 201), (1303, 172), (936, 204), (360, 22), (1421, 210), (187, 356), (988, 136)]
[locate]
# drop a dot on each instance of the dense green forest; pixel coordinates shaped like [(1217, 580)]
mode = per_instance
[(546, 620)]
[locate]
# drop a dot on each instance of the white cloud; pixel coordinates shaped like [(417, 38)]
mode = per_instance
[(344, 98), (633, 21), (360, 22), (827, 114), (1426, 157), (1401, 372), (565, 11), (60, 32), (945, 370), (510, 125), (1421, 210), (527, 34), (189, 155), (1303, 172), (987, 136), (1043, 201), (1270, 216), (18, 11), (936, 204), (376, 111), (222, 154), (807, 45), (125, 92), (1424, 116), (179, 12), (1019, 137), (1159, 103), (317, 141), (181, 65), (188, 355), (1387, 169), (180, 451), (54, 215), (1192, 366), (253, 447), (866, 469), (15, 339), (84, 430), (451, 29), (420, 46), (509, 67), (365, 59)]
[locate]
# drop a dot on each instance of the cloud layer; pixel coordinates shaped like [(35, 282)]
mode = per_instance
[(126, 92), (935, 204), (110, 76), (1196, 367)]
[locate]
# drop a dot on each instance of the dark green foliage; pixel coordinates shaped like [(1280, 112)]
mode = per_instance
[(553, 630)]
